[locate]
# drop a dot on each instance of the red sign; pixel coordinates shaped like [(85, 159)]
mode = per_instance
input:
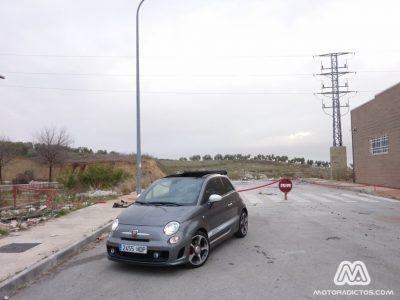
[(285, 185)]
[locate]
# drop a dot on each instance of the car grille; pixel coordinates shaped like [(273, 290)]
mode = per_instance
[(135, 240), (148, 257)]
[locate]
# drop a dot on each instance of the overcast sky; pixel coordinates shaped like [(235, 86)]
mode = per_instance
[(218, 76)]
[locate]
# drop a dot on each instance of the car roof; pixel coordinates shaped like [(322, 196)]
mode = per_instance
[(198, 174)]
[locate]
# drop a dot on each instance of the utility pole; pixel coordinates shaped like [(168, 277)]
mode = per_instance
[(138, 136), (335, 91)]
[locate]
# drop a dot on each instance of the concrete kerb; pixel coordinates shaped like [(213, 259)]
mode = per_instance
[(9, 286)]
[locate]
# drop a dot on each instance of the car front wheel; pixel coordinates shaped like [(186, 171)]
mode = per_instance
[(199, 250), (243, 225)]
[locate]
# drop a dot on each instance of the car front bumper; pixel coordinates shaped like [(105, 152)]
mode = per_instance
[(159, 253)]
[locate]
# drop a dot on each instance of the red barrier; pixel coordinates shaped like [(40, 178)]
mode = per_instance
[(258, 187), (51, 193)]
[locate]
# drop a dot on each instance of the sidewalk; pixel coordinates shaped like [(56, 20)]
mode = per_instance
[(52, 242), (369, 189)]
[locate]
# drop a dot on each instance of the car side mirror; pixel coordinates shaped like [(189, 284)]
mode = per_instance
[(214, 198)]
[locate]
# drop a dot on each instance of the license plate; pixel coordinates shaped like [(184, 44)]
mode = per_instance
[(133, 248)]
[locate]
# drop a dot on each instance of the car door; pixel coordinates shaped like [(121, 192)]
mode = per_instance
[(232, 200), (216, 215)]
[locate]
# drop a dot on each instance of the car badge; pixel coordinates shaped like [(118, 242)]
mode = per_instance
[(134, 233)]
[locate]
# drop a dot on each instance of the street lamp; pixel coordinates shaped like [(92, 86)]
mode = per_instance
[(2, 77), (138, 140)]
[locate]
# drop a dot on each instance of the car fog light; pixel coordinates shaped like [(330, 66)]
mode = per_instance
[(156, 255), (112, 250), (173, 240)]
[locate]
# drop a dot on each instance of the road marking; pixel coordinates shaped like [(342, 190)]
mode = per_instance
[(337, 197), (297, 198), (253, 199), (318, 198), (359, 198), (379, 198)]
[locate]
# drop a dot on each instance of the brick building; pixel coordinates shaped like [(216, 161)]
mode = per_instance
[(376, 139)]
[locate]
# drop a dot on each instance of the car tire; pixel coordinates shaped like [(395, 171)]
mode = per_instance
[(199, 250), (243, 225)]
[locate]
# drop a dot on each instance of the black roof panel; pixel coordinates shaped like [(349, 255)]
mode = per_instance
[(198, 173)]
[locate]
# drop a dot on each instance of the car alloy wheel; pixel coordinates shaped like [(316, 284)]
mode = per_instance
[(199, 250), (243, 225)]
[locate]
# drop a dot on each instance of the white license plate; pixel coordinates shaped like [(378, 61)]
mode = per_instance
[(133, 248)]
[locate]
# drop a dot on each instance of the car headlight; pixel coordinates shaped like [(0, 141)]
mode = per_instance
[(171, 228), (114, 225)]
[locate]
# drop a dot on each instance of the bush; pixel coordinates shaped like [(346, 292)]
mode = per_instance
[(68, 179), (23, 178), (99, 177)]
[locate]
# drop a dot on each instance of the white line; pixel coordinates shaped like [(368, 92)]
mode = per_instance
[(359, 198), (379, 198), (297, 198), (253, 199), (318, 198), (337, 197)]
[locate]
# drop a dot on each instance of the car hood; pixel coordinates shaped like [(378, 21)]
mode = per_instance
[(155, 215)]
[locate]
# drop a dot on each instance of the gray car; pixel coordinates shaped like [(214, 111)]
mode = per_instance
[(177, 220)]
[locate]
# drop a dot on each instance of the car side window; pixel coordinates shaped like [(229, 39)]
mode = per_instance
[(214, 186), (228, 187)]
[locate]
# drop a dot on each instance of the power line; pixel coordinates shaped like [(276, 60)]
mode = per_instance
[(184, 75), (174, 92), (133, 56)]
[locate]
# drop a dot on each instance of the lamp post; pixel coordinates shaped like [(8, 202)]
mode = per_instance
[(138, 138)]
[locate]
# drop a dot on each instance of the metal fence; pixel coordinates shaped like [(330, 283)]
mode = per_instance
[(33, 194)]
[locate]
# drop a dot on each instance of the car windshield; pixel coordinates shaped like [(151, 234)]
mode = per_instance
[(174, 191)]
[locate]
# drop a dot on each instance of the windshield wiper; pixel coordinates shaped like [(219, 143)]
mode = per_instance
[(165, 203), (141, 203)]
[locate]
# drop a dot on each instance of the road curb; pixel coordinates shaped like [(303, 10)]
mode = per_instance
[(21, 279)]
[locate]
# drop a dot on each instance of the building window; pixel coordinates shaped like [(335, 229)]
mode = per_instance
[(379, 145)]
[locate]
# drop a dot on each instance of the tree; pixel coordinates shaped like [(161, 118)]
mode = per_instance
[(183, 159), (218, 157), (101, 152), (207, 157), (195, 157), (51, 146), (7, 153)]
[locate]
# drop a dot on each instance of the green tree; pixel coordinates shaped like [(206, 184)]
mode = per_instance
[(195, 158), (101, 152), (7, 153), (218, 157)]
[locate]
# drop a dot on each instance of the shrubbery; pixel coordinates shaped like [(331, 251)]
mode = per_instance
[(95, 176)]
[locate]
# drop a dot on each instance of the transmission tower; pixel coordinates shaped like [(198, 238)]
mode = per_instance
[(335, 91)]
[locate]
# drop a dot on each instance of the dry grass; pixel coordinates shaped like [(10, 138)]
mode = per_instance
[(150, 169), (240, 169)]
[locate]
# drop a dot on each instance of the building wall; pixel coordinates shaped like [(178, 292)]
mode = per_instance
[(378, 117)]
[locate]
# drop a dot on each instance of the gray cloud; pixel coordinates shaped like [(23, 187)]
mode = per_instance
[(212, 71)]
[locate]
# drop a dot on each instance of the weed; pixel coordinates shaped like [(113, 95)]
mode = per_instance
[(3, 232)]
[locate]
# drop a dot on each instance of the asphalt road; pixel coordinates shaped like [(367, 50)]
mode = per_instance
[(293, 248)]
